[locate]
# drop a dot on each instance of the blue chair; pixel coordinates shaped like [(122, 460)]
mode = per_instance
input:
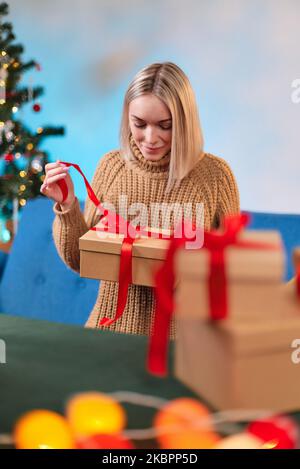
[(3, 259), (289, 227), (35, 282)]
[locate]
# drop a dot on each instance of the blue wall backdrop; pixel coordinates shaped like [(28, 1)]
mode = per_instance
[(241, 56)]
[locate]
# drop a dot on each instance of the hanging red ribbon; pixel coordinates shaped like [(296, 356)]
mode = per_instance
[(216, 242)]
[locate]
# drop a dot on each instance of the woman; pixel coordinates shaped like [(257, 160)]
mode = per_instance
[(161, 160)]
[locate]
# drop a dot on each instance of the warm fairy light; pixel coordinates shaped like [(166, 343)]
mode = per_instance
[(15, 109), (2, 101), (22, 202), (182, 413), (5, 66), (43, 429), (17, 155), (29, 146), (92, 413), (22, 187), (22, 174), (2, 83), (16, 64), (39, 130), (1, 124), (3, 53)]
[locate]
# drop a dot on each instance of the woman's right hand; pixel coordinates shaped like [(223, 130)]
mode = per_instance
[(55, 172)]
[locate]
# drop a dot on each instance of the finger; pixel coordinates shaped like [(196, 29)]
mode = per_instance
[(52, 165), (55, 178), (59, 170)]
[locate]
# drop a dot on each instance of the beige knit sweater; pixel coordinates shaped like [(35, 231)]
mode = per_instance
[(211, 182)]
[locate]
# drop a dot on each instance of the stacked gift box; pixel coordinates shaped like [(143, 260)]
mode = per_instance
[(236, 319)]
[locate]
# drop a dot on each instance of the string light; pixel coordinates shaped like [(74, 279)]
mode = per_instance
[(40, 130), (228, 422), (29, 146), (22, 202), (22, 187), (22, 174), (15, 109)]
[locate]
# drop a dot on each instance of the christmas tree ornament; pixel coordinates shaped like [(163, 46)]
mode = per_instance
[(92, 413), (36, 107), (9, 157), (43, 429), (6, 131), (36, 164)]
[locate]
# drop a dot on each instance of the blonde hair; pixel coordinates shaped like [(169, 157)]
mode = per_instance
[(169, 83)]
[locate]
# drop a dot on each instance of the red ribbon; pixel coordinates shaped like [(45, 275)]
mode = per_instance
[(216, 242)]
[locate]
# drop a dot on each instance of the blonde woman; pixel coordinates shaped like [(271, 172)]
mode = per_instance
[(160, 161)]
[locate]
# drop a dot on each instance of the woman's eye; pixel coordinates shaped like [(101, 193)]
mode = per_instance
[(166, 128), (141, 126)]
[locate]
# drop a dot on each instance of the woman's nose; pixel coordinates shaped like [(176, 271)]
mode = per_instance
[(150, 136)]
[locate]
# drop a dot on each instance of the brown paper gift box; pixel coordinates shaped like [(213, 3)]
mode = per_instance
[(100, 256), (253, 277), (244, 361), (240, 365)]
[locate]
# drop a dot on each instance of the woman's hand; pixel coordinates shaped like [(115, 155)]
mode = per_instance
[(55, 172)]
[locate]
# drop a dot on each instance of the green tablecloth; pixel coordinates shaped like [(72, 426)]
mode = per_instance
[(47, 362)]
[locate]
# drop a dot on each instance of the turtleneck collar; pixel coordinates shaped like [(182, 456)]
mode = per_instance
[(160, 166)]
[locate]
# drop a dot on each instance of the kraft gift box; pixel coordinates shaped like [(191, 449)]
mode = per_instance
[(249, 360), (100, 256), (253, 276), (240, 365)]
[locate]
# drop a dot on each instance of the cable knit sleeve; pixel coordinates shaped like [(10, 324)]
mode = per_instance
[(228, 201), (69, 225)]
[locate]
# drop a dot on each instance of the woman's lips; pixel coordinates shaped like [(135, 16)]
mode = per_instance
[(152, 149)]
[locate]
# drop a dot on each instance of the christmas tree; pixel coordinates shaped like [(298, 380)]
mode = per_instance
[(22, 162)]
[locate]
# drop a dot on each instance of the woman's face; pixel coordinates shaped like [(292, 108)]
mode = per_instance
[(151, 126)]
